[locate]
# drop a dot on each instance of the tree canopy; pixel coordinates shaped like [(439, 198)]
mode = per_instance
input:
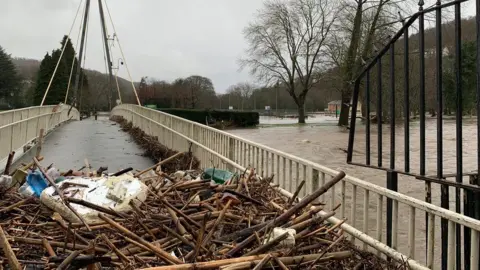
[(62, 80), (9, 78)]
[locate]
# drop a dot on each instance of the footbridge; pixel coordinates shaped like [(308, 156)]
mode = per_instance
[(360, 206), (383, 220)]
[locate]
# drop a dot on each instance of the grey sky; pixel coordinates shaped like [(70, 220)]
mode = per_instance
[(165, 39)]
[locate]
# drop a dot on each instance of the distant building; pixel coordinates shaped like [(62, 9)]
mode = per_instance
[(336, 105)]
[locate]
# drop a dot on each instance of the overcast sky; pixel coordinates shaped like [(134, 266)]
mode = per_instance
[(164, 39)]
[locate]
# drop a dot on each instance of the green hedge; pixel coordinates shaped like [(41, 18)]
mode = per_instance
[(236, 118)]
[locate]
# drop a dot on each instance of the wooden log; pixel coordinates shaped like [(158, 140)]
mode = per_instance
[(72, 246), (280, 263), (122, 256), (255, 259), (68, 260), (7, 250), (94, 207), (311, 221), (158, 251), (283, 218), (48, 247), (159, 164), (263, 262), (9, 163), (299, 188), (15, 205), (267, 246), (180, 213)]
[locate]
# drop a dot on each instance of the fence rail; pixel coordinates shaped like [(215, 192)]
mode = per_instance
[(223, 150), (19, 127)]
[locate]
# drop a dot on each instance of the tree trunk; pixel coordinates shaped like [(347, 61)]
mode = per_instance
[(301, 113), (345, 109)]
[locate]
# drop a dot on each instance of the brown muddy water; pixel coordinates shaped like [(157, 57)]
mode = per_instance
[(326, 143)]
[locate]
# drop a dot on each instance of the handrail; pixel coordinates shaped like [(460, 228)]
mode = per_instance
[(16, 133)]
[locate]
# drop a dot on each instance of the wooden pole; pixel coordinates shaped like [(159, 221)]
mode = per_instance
[(9, 163), (40, 143), (7, 250), (159, 163), (255, 259), (160, 252)]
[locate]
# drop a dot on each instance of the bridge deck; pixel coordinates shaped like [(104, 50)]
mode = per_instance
[(101, 142)]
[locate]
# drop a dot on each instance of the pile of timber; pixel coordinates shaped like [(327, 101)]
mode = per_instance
[(185, 223)]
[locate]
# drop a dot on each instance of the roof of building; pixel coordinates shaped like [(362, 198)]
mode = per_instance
[(335, 102)]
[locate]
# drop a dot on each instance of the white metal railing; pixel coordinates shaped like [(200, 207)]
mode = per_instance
[(366, 218), (19, 127)]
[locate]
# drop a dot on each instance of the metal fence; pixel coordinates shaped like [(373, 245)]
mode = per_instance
[(377, 86), (362, 203), (19, 127)]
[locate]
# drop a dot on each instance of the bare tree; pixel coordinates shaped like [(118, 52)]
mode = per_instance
[(364, 23), (242, 90), (286, 43), (199, 88)]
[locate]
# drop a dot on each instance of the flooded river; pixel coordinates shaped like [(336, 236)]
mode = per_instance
[(323, 142)]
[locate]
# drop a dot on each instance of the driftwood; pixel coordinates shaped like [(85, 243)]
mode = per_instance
[(184, 224)]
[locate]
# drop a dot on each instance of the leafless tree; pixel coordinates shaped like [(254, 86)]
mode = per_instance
[(366, 24), (242, 91), (286, 44)]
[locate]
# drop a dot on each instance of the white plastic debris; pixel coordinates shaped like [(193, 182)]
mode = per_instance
[(53, 173), (5, 181), (26, 190), (179, 174), (114, 192), (196, 199), (288, 242), (147, 175)]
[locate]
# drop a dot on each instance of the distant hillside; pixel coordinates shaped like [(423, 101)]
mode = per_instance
[(98, 81)]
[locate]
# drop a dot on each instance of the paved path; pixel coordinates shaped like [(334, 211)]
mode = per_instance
[(101, 142)]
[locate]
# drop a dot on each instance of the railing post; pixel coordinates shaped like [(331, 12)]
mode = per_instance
[(392, 184), (471, 209), (231, 153)]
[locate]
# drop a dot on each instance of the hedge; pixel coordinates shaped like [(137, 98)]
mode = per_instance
[(236, 118)]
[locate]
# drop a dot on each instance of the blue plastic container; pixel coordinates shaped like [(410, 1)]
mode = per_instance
[(37, 182)]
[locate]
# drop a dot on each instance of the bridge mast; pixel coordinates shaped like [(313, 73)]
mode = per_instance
[(107, 51), (80, 56)]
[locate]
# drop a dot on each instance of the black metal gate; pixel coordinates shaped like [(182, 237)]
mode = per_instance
[(408, 49)]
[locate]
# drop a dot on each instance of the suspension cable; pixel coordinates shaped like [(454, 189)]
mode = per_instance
[(123, 55), (61, 54), (74, 55)]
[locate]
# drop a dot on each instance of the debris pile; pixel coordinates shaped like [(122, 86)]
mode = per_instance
[(183, 220), (155, 150)]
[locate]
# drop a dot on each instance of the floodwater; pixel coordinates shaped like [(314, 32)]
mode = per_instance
[(323, 142)]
